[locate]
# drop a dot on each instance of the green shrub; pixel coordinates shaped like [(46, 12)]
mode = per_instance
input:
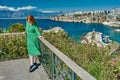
[(1, 30), (17, 27), (93, 59), (12, 47)]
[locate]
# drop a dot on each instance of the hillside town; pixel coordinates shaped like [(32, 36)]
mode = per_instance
[(106, 17)]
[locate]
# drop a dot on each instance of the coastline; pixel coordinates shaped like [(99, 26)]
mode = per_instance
[(117, 30), (112, 24)]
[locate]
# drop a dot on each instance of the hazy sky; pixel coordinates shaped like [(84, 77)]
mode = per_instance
[(63, 4)]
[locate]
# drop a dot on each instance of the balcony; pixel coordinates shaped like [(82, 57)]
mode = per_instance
[(54, 64)]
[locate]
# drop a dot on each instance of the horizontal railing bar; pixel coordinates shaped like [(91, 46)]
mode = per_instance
[(114, 50), (71, 64), (6, 34)]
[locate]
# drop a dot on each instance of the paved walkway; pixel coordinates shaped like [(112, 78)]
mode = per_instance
[(18, 70)]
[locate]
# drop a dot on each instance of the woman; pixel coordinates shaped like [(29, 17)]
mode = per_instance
[(33, 45)]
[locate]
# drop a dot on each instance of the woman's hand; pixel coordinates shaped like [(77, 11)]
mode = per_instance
[(24, 32), (40, 36)]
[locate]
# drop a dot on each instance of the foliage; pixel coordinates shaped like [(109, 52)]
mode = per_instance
[(93, 59), (12, 47), (62, 15), (118, 18), (77, 15), (1, 31), (17, 27)]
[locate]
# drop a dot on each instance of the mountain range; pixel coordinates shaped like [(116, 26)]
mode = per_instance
[(8, 12)]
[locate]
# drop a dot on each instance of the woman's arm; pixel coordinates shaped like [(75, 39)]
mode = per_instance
[(37, 31)]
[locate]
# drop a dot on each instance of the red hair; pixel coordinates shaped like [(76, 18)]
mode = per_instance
[(30, 19)]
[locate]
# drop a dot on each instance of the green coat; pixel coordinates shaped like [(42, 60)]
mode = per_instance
[(32, 33)]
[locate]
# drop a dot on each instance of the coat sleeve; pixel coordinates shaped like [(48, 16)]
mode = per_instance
[(37, 30)]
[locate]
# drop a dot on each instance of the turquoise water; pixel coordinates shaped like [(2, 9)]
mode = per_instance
[(75, 30)]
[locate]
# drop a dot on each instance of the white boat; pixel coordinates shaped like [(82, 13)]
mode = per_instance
[(117, 30)]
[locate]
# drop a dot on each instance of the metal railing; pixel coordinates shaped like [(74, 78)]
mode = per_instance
[(57, 65), (5, 34), (60, 66)]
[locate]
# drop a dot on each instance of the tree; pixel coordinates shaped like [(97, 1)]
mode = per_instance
[(62, 15), (77, 15), (118, 18), (17, 27), (1, 30)]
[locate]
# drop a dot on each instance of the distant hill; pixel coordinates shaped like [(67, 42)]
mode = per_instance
[(25, 13)]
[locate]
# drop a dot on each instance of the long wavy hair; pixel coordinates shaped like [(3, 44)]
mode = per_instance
[(30, 19)]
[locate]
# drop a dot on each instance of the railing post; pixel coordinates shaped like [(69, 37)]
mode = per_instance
[(73, 76), (53, 66)]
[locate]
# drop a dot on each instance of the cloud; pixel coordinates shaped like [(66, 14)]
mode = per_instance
[(26, 8), (7, 8), (49, 11), (17, 9)]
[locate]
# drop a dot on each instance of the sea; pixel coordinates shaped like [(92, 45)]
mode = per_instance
[(74, 29)]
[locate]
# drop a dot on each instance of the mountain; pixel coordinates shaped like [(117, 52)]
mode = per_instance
[(24, 13)]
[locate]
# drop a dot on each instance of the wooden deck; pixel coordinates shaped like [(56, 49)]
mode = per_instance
[(18, 70)]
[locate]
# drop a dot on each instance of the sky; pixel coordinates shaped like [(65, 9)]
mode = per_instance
[(61, 5)]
